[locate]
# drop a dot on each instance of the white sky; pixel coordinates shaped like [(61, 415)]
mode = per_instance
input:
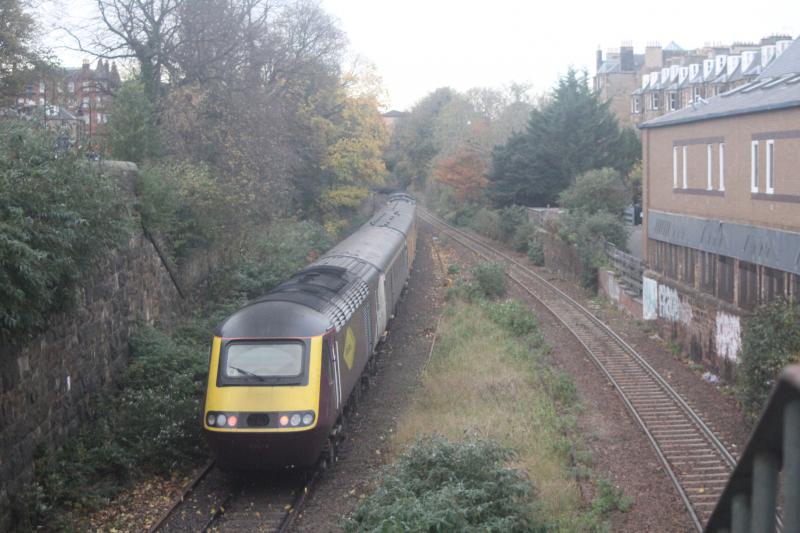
[(419, 45)]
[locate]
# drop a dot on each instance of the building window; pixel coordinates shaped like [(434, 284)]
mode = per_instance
[(770, 167), (673, 101), (674, 167), (696, 93), (635, 105), (774, 284), (655, 98), (685, 169), (748, 285), (709, 166), (725, 278), (754, 166), (722, 166)]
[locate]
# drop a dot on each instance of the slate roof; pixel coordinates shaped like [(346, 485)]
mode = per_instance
[(777, 87)]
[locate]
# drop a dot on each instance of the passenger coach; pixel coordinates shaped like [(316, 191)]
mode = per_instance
[(283, 367)]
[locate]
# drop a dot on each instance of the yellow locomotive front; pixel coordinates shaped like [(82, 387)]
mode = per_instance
[(268, 399)]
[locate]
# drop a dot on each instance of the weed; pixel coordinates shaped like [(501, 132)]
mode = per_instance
[(439, 485), (536, 251), (490, 279)]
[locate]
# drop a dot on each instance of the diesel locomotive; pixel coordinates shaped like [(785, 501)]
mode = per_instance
[(283, 367)]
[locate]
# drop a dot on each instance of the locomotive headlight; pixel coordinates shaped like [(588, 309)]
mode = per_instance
[(284, 420), (232, 421), (295, 419), (211, 419), (307, 419), (221, 419)]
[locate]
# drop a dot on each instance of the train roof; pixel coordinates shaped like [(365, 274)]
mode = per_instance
[(325, 294)]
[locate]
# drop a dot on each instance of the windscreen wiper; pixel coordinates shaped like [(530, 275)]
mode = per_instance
[(248, 373)]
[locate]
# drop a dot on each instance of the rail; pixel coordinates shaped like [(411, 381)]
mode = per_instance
[(750, 500), (629, 267)]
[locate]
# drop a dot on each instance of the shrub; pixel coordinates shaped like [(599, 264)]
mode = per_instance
[(770, 341), (490, 279), (184, 203), (513, 316), (536, 251), (438, 485), (271, 259), (487, 223), (58, 217), (597, 190)]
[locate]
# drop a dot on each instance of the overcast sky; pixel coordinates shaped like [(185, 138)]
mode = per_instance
[(419, 45)]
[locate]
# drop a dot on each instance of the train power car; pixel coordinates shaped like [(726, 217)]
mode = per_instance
[(283, 367)]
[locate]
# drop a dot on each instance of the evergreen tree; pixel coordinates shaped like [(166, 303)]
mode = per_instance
[(132, 131), (571, 133)]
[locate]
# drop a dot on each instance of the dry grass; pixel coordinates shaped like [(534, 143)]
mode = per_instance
[(481, 381)]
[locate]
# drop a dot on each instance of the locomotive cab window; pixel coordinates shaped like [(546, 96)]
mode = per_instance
[(252, 363)]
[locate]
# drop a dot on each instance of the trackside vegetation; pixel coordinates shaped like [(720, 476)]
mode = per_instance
[(770, 341), (513, 411), (59, 216), (150, 424)]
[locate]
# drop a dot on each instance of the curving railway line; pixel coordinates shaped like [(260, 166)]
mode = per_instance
[(695, 459)]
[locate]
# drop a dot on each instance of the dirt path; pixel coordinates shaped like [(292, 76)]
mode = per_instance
[(402, 356)]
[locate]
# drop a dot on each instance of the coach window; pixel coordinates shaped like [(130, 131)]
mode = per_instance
[(770, 167)]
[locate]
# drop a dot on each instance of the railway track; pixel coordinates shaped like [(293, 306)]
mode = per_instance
[(695, 459), (216, 502)]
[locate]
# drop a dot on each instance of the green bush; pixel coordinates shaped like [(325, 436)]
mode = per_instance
[(282, 251), (490, 279), (183, 203), (536, 251), (770, 341), (487, 223), (58, 217), (437, 485), (597, 190), (513, 316)]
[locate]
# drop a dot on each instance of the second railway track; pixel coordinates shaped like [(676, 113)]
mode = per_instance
[(695, 459)]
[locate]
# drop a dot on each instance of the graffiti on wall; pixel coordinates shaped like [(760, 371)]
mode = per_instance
[(649, 298), (671, 307), (728, 336)]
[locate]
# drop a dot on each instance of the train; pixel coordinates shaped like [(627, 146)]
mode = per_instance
[(283, 367)]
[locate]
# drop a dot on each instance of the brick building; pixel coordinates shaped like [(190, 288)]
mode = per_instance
[(721, 207), (644, 86), (76, 98)]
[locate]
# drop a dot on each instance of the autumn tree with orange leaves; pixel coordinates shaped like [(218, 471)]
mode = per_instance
[(464, 173)]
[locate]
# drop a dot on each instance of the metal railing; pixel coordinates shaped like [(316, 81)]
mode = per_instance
[(750, 499), (630, 268)]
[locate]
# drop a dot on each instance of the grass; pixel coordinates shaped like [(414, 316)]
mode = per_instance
[(485, 382)]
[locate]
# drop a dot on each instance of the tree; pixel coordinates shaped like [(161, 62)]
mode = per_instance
[(464, 174), (19, 59), (132, 131), (571, 133), (596, 190)]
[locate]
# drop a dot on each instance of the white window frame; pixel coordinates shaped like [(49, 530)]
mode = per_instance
[(674, 167), (635, 105), (722, 166), (754, 166), (709, 167), (685, 169), (770, 156), (655, 98), (673, 101)]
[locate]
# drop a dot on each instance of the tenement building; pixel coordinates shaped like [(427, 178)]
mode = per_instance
[(661, 80), (721, 202)]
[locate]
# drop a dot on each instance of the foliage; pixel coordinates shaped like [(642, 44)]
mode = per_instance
[(20, 60), (58, 217), (149, 427), (490, 278), (536, 251), (770, 341), (438, 485), (132, 130), (183, 203), (571, 133), (513, 316), (596, 190), (463, 173), (596, 200), (270, 259)]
